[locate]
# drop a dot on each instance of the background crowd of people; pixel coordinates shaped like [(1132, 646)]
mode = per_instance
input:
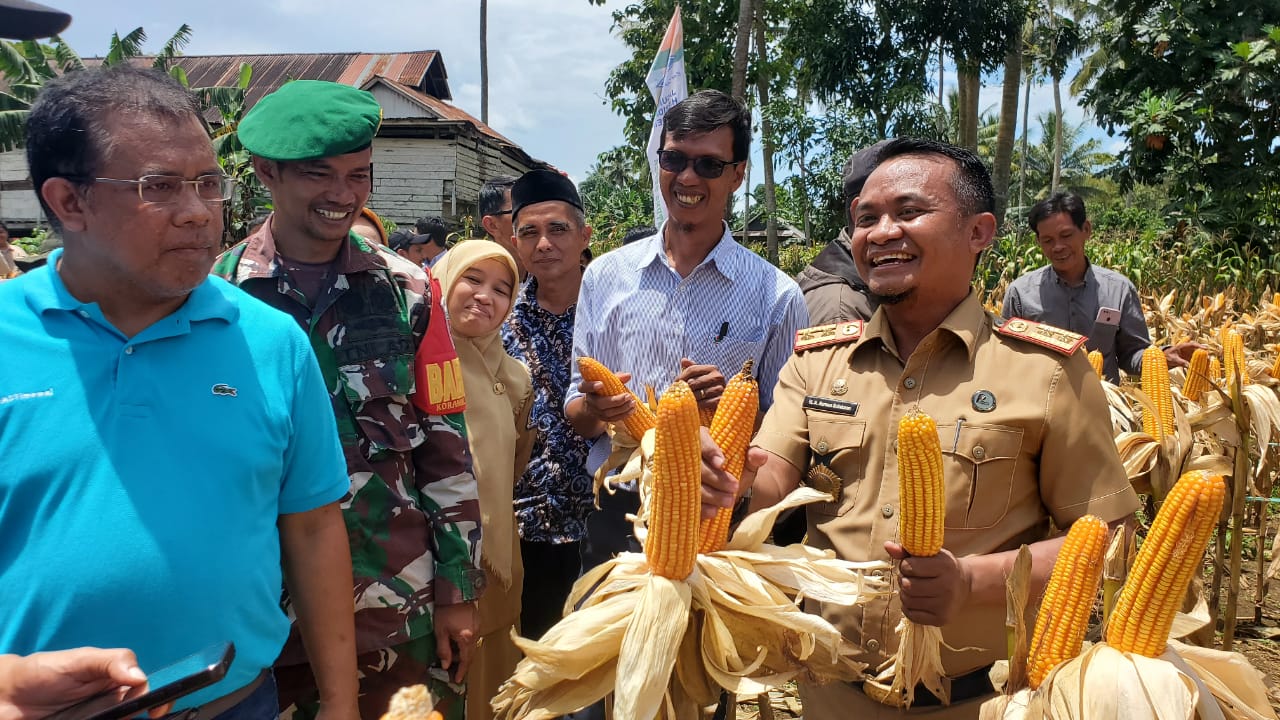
[(393, 430)]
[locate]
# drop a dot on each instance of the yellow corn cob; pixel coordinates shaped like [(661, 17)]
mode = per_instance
[(1275, 366), (638, 422), (1197, 376), (1233, 358), (1095, 359), (1215, 369), (731, 429), (1068, 600), (921, 495), (672, 544), (1155, 383), (1171, 554)]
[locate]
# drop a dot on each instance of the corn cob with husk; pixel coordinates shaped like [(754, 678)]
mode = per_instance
[(672, 542), (412, 702), (638, 422), (1139, 672), (665, 640), (731, 429), (1167, 559), (922, 513), (1197, 381), (1233, 360), (1215, 369), (1095, 359), (1275, 367), (1068, 599), (1155, 383)]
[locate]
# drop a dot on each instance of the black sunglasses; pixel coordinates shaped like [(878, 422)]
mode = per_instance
[(707, 167)]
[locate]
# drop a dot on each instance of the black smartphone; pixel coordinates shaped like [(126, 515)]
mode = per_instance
[(164, 685)]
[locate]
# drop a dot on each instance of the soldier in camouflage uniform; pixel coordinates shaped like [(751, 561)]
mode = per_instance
[(412, 512)]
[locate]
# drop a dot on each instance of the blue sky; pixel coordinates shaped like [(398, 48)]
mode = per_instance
[(548, 59)]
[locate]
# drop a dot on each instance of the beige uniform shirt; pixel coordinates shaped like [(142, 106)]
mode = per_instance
[(1025, 437)]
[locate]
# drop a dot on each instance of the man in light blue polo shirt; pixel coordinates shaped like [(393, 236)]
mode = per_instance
[(169, 450)]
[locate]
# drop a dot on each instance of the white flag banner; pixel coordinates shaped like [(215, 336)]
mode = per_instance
[(667, 84)]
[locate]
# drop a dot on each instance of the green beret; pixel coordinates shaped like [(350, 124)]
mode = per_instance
[(309, 119)]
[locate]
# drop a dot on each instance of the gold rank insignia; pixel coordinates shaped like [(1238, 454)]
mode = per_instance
[(824, 479), (1056, 339), (823, 335)]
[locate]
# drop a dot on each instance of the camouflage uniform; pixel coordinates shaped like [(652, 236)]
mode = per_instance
[(412, 512)]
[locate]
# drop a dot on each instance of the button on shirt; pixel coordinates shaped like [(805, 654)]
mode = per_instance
[(1041, 295), (555, 494), (637, 315)]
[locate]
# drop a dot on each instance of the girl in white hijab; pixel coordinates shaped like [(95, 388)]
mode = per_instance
[(479, 281)]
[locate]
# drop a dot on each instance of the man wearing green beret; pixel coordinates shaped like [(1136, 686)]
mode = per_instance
[(377, 329)]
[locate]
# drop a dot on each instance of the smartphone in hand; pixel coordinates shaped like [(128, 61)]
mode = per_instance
[(164, 685)]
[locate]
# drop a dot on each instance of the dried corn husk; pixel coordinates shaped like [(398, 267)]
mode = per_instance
[(665, 647)]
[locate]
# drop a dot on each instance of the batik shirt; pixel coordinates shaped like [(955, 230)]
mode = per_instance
[(412, 513), (554, 496)]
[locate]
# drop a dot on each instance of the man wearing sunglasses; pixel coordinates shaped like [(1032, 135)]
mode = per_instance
[(124, 370), (687, 303)]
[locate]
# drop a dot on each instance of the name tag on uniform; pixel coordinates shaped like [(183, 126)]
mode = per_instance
[(1108, 316), (840, 407)]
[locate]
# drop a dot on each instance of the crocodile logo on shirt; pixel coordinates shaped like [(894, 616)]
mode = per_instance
[(222, 389)]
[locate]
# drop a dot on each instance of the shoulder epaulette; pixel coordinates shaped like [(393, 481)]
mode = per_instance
[(824, 335), (1054, 338)]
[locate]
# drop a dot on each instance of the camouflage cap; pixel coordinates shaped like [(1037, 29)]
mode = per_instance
[(309, 119)]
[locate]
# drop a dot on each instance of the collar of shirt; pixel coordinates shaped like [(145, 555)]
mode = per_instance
[(46, 292), (261, 259), (964, 322), (725, 258), (1085, 281), (529, 297)]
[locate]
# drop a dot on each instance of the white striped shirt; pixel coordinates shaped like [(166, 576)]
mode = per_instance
[(637, 315)]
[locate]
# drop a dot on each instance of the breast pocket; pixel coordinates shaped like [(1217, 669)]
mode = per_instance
[(377, 391), (836, 444), (985, 456), (729, 354)]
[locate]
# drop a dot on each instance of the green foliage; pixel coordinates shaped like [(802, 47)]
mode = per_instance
[(1192, 87), (32, 242), (617, 195), (250, 199), (708, 56), (1178, 259), (1083, 162)]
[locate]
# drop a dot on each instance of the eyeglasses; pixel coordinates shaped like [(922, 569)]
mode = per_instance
[(707, 167), (501, 212), (159, 189)]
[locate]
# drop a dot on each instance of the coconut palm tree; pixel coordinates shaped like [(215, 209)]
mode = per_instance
[(27, 65), (1081, 165)]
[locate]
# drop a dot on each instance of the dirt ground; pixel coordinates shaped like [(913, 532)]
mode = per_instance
[(1260, 642)]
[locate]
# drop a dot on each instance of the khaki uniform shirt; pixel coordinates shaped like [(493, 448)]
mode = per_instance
[(1026, 443)]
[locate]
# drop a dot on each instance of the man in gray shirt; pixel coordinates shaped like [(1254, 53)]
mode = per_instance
[(1073, 294)]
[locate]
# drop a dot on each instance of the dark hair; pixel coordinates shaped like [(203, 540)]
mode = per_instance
[(434, 228), (66, 135), (638, 233), (493, 194), (1059, 202), (970, 182), (707, 111)]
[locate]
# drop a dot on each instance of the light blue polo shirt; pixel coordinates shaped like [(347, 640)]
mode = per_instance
[(141, 478)]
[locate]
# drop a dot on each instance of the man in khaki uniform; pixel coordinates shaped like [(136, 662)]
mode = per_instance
[(1022, 419)]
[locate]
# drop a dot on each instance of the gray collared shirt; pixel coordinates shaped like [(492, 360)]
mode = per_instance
[(1041, 295)]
